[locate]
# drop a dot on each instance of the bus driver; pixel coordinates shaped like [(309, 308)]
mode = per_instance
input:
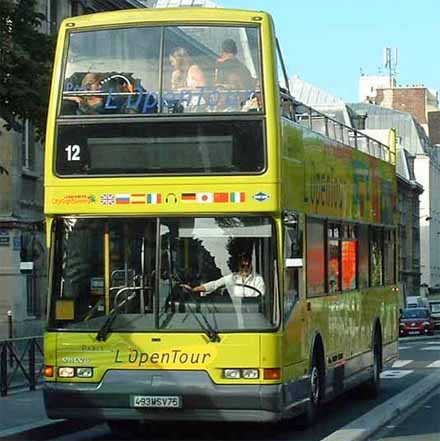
[(243, 283)]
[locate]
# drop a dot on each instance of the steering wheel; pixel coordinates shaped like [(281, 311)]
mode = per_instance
[(121, 78), (260, 294)]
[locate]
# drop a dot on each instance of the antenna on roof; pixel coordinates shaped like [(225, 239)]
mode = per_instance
[(390, 61)]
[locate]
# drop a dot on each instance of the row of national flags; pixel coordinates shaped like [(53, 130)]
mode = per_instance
[(214, 198), (157, 198), (131, 199)]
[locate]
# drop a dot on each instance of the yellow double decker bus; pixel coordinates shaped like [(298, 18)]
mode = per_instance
[(218, 251)]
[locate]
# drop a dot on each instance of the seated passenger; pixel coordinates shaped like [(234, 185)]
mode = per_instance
[(91, 104), (230, 73), (186, 75), (85, 104)]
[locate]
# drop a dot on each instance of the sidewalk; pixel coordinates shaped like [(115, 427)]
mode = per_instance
[(21, 411)]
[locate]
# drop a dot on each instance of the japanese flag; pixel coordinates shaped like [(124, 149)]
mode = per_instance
[(205, 198)]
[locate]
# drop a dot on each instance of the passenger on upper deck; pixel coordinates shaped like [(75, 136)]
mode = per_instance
[(90, 104), (230, 73), (186, 75)]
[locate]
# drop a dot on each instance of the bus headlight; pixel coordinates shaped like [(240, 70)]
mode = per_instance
[(232, 374), (235, 374), (84, 372), (250, 374), (66, 372)]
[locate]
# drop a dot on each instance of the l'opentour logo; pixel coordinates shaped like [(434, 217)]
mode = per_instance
[(192, 357)]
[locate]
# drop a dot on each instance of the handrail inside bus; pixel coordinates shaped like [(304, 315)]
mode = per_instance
[(319, 122)]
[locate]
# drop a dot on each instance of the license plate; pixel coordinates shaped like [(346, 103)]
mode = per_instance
[(156, 401), (413, 332)]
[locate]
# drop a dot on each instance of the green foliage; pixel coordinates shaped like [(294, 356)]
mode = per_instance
[(26, 57)]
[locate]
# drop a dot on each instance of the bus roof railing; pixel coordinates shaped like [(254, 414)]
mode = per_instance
[(320, 123)]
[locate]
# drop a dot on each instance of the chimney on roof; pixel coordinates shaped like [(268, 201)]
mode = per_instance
[(358, 120)]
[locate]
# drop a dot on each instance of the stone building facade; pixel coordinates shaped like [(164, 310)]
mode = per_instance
[(23, 257), (420, 102)]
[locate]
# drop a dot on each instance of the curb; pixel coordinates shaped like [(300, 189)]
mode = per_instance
[(28, 427), (436, 336), (363, 427)]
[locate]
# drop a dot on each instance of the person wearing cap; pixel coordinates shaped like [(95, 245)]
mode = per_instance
[(230, 73)]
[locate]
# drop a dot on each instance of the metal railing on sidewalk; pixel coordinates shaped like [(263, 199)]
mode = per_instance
[(21, 363)]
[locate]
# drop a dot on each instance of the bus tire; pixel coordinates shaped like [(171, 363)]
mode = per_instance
[(316, 388), (372, 387)]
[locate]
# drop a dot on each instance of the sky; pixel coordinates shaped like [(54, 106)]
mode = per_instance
[(328, 43)]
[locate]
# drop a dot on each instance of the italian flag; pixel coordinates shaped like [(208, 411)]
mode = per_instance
[(237, 197)]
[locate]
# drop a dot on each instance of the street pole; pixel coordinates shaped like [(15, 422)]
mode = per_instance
[(10, 336)]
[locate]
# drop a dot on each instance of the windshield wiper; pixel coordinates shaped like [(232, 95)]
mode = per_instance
[(211, 332), (106, 327)]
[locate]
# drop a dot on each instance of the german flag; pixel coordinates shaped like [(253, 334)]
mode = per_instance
[(189, 197)]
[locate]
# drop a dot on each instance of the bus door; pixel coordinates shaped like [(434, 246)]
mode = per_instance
[(295, 311), (132, 255)]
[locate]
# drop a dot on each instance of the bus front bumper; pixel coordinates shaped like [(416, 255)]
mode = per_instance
[(201, 399)]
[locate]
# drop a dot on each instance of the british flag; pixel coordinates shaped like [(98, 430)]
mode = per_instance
[(108, 199)]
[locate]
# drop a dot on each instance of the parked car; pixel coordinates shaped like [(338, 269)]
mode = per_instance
[(416, 321)]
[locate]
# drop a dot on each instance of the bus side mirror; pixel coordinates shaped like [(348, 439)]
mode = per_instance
[(294, 263)]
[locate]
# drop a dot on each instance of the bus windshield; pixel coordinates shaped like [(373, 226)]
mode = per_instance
[(163, 70), (165, 274)]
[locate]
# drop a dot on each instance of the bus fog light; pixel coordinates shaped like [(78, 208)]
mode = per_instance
[(84, 372), (66, 372), (48, 371), (250, 374), (272, 374), (232, 374)]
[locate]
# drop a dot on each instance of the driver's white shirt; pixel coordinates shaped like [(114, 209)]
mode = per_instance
[(234, 284)]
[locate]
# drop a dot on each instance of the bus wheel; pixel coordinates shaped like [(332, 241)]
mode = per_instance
[(316, 390), (123, 429), (372, 387)]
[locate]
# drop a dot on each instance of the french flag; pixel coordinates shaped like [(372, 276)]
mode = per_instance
[(154, 198)]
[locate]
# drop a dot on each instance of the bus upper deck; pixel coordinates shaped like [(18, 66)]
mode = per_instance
[(120, 84)]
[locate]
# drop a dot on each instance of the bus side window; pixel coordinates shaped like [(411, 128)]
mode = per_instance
[(287, 108), (293, 261)]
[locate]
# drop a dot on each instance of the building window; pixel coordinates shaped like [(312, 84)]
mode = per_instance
[(75, 8), (28, 147), (31, 297)]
